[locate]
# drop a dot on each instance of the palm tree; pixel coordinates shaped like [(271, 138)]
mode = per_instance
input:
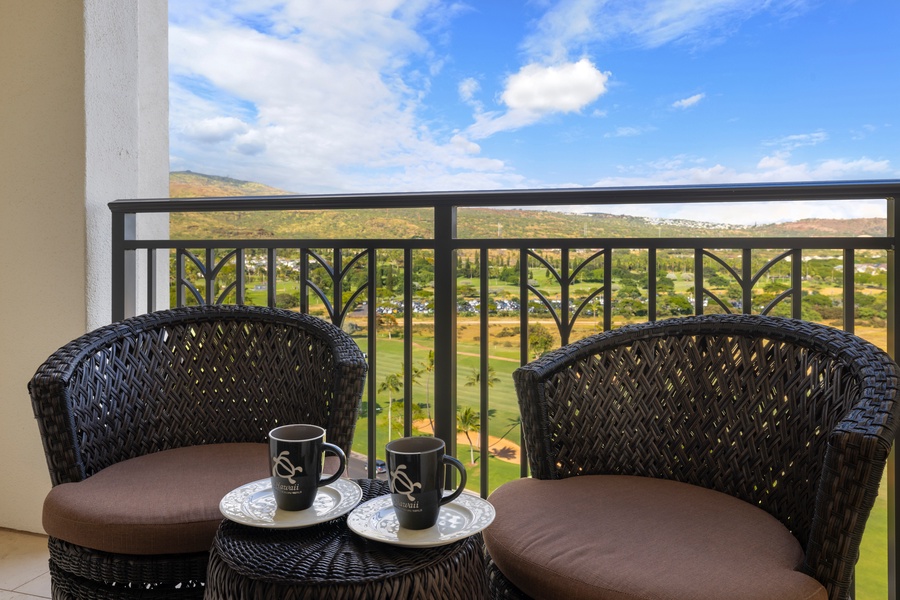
[(416, 374), (469, 421), (513, 423), (392, 383), (475, 377), (428, 369)]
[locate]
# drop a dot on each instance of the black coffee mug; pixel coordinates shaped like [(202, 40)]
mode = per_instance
[(295, 456), (416, 473)]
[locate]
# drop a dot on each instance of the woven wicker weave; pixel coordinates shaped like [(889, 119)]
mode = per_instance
[(182, 377), (793, 417), (329, 561)]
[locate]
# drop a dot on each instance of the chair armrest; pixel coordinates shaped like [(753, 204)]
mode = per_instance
[(49, 389), (854, 465)]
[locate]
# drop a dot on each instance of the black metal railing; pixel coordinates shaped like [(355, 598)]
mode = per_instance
[(341, 278)]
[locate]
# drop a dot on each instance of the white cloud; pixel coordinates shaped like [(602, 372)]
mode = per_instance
[(467, 146), (756, 213), (329, 97), (777, 167), (773, 162), (628, 132), (537, 91), (251, 143), (772, 168), (843, 168), (798, 140), (688, 102), (567, 24), (566, 87), (575, 24), (215, 129), (314, 97), (863, 132), (571, 27), (468, 88)]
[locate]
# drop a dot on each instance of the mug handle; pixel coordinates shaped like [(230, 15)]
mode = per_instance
[(451, 460), (340, 454)]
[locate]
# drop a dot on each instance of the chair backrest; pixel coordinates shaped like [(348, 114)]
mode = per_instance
[(189, 376), (741, 404)]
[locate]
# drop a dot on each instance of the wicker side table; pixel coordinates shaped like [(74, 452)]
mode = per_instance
[(330, 561)]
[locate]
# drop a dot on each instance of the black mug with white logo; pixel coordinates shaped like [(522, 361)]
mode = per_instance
[(296, 457), (416, 473)]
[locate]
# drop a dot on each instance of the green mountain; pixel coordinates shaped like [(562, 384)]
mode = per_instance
[(472, 222)]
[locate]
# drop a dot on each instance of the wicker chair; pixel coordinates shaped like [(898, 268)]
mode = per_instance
[(791, 417), (204, 384)]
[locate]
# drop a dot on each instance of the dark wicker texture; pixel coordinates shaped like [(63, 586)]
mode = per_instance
[(794, 417), (330, 561), (182, 377), (498, 585)]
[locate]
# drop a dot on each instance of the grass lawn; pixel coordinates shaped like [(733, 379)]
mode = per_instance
[(871, 570)]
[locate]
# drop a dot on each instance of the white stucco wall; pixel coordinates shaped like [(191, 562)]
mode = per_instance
[(127, 149), (83, 116), (153, 144)]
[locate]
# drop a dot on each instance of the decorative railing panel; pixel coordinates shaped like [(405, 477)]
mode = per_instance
[(444, 319)]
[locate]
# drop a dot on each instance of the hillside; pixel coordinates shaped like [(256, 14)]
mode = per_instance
[(825, 228), (472, 222), (186, 184)]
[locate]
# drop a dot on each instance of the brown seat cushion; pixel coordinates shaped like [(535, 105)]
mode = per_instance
[(622, 538), (161, 503)]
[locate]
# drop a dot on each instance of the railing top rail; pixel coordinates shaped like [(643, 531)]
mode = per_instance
[(736, 242), (750, 192)]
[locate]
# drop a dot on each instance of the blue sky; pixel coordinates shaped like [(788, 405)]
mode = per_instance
[(416, 95)]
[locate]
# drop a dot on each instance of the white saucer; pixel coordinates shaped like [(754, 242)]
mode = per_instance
[(253, 504), (465, 516)]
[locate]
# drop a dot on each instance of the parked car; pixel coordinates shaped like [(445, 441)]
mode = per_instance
[(380, 466)]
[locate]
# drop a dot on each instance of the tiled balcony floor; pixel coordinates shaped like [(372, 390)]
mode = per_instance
[(24, 574)]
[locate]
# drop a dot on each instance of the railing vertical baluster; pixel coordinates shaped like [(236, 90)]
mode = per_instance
[(651, 284), (372, 357), (179, 277), (564, 283), (209, 276), (523, 341), (523, 306), (797, 284), (407, 342), (607, 289), (698, 281), (445, 312), (337, 292), (849, 291), (271, 277), (304, 280), (484, 332), (151, 280), (239, 275), (893, 278), (747, 281), (893, 468), (117, 295)]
